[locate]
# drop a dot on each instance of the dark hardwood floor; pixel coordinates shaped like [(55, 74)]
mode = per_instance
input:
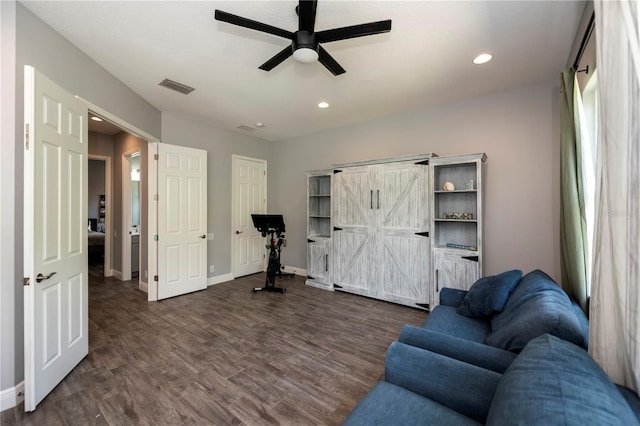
[(223, 356)]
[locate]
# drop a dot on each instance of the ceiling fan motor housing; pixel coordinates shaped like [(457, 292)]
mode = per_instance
[(304, 40)]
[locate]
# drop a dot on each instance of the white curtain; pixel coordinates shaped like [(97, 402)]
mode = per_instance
[(615, 296)]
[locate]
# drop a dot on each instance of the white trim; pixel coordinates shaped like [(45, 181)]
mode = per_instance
[(142, 286), (296, 271), (126, 213), (108, 212), (235, 157), (218, 279), (152, 221), (129, 128), (117, 274), (11, 397)]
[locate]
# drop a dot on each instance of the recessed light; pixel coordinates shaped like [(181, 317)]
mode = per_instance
[(259, 124), (94, 118), (482, 58), (323, 105)]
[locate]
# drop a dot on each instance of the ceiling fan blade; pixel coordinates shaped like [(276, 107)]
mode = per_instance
[(307, 15), (327, 60), (354, 31), (277, 59), (253, 25)]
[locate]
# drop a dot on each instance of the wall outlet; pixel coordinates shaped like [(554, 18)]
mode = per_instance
[(211, 268)]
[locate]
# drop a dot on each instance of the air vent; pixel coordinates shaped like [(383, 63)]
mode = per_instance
[(246, 128), (178, 87)]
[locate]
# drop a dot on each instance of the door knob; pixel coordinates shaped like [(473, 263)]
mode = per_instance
[(238, 232), (40, 277), (203, 236)]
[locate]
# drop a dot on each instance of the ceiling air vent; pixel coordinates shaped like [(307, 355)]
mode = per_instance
[(178, 87), (246, 128)]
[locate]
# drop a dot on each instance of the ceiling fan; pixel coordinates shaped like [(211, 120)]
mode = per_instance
[(305, 43)]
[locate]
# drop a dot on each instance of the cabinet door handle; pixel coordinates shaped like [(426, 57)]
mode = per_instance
[(326, 262), (372, 199), (378, 193), (437, 282), (473, 258)]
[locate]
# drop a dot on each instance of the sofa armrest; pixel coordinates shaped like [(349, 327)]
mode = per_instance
[(462, 387), (451, 296), (478, 354)]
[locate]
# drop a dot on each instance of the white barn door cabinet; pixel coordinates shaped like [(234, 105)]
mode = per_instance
[(370, 224)]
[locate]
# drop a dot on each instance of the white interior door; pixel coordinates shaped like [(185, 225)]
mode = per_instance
[(249, 196), (182, 220), (55, 235)]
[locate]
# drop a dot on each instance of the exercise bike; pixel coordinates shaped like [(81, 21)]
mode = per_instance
[(272, 225)]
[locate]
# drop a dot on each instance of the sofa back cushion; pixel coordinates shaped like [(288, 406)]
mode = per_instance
[(536, 306), (488, 295), (555, 382)]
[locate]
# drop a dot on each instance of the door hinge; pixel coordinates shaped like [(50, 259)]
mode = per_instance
[(155, 237), (26, 137), (26, 281), (156, 197), (155, 156), (155, 278)]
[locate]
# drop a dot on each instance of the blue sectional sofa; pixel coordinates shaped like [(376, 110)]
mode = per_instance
[(511, 350), (551, 382), (489, 324)]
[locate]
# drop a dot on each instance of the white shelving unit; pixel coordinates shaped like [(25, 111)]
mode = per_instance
[(457, 222), (319, 229)]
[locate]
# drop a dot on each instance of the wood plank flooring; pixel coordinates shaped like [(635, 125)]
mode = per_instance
[(223, 356)]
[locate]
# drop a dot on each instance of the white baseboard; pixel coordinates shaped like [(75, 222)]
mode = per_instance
[(117, 274), (293, 270), (143, 286), (108, 272), (11, 397), (218, 279)]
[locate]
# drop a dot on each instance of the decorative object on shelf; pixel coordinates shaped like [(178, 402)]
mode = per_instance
[(451, 215), (448, 186), (462, 246), (470, 185)]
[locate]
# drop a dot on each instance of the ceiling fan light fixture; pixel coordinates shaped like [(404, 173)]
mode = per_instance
[(305, 55)]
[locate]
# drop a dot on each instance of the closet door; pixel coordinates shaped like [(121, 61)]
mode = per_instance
[(401, 233), (353, 229)]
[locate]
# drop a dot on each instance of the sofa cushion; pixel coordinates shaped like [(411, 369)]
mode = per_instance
[(388, 404), (444, 319), (555, 382), (536, 306), (488, 295)]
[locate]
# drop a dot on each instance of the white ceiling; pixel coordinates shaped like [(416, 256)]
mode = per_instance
[(424, 61)]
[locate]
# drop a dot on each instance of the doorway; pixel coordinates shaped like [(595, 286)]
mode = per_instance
[(248, 195), (100, 215)]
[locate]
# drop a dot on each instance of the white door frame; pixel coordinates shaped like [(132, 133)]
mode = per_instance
[(235, 157), (126, 214), (108, 230), (151, 212)]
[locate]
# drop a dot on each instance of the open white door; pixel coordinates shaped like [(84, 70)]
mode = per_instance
[(182, 220), (249, 196), (55, 235)]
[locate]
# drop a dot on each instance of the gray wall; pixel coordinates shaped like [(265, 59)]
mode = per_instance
[(95, 188), (518, 131), (38, 45), (220, 145)]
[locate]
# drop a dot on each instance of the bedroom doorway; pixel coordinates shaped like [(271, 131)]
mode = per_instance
[(100, 215)]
